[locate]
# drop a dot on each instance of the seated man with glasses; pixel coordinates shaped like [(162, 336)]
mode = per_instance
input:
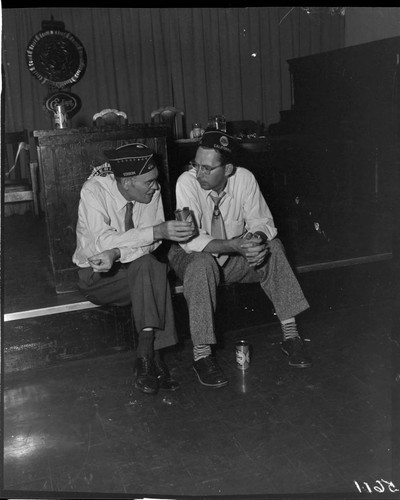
[(236, 242), (119, 232)]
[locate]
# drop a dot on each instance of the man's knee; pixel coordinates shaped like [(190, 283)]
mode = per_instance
[(201, 275), (200, 262), (145, 263), (202, 266)]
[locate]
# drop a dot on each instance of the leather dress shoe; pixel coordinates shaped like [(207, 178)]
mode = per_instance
[(165, 381), (146, 376), (296, 353), (209, 372)]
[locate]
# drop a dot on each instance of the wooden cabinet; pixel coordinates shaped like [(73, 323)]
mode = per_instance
[(350, 92), (349, 100), (338, 147), (66, 158)]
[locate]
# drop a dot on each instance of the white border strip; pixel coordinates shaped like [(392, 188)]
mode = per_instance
[(46, 311), (344, 262)]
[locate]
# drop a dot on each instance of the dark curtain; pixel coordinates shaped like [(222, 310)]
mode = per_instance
[(204, 61)]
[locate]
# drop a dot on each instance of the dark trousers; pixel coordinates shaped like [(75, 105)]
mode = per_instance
[(142, 283), (201, 275)]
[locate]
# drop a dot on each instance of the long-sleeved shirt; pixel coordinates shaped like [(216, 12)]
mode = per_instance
[(243, 208), (101, 225)]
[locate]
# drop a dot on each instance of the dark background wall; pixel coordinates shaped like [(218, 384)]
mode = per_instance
[(204, 61), (367, 24)]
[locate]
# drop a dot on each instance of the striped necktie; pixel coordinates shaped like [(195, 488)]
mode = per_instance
[(218, 226), (128, 216)]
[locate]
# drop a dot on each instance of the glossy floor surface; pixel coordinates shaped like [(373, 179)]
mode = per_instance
[(81, 429)]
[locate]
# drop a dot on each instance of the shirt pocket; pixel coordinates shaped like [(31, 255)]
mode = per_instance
[(234, 228)]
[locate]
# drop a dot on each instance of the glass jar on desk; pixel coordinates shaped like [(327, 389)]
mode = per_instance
[(197, 131)]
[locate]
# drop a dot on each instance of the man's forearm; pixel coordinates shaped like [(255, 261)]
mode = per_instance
[(221, 246)]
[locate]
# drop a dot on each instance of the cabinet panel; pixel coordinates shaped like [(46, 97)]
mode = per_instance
[(350, 92)]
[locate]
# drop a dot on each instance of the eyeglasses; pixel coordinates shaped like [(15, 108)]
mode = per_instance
[(203, 168)]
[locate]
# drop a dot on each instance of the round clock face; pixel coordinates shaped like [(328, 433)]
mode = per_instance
[(56, 58)]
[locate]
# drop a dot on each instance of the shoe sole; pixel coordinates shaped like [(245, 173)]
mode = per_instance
[(296, 365), (170, 389), (216, 386), (144, 391)]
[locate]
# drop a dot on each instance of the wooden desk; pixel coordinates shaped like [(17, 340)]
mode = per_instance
[(66, 158)]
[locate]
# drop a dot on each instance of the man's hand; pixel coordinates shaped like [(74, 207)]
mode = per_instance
[(253, 248), (174, 230), (103, 261)]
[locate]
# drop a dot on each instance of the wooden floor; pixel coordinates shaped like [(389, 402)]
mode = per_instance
[(80, 428)]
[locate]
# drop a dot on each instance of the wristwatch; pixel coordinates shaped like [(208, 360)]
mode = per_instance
[(261, 235)]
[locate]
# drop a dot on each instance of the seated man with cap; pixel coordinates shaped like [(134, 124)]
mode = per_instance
[(120, 227), (236, 243)]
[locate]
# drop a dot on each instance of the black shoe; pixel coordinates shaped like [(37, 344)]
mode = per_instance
[(209, 373), (294, 349), (165, 381), (146, 376)]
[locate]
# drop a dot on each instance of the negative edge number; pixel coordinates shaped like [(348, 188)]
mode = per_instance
[(379, 488)]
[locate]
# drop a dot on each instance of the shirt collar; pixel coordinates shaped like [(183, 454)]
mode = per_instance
[(227, 189), (120, 201)]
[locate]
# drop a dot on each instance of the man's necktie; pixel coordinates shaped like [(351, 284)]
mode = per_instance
[(218, 226), (128, 216)]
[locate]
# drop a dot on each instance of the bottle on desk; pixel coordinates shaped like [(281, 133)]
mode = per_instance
[(217, 122)]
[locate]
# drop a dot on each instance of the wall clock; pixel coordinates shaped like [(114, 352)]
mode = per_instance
[(56, 58)]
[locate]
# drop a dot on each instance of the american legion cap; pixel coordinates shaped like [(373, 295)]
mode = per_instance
[(130, 159), (215, 139)]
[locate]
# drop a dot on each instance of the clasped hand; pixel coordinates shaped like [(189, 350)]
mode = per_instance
[(103, 261), (254, 249)]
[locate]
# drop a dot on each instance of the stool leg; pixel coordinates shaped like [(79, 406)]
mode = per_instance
[(33, 169)]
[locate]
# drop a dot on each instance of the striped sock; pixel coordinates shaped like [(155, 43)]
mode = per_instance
[(289, 329), (201, 351)]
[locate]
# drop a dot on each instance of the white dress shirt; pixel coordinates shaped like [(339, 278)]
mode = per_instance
[(243, 208), (101, 223)]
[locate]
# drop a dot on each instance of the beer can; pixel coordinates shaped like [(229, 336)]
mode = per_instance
[(242, 349), (60, 117)]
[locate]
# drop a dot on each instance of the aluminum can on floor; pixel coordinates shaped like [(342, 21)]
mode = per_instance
[(242, 348)]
